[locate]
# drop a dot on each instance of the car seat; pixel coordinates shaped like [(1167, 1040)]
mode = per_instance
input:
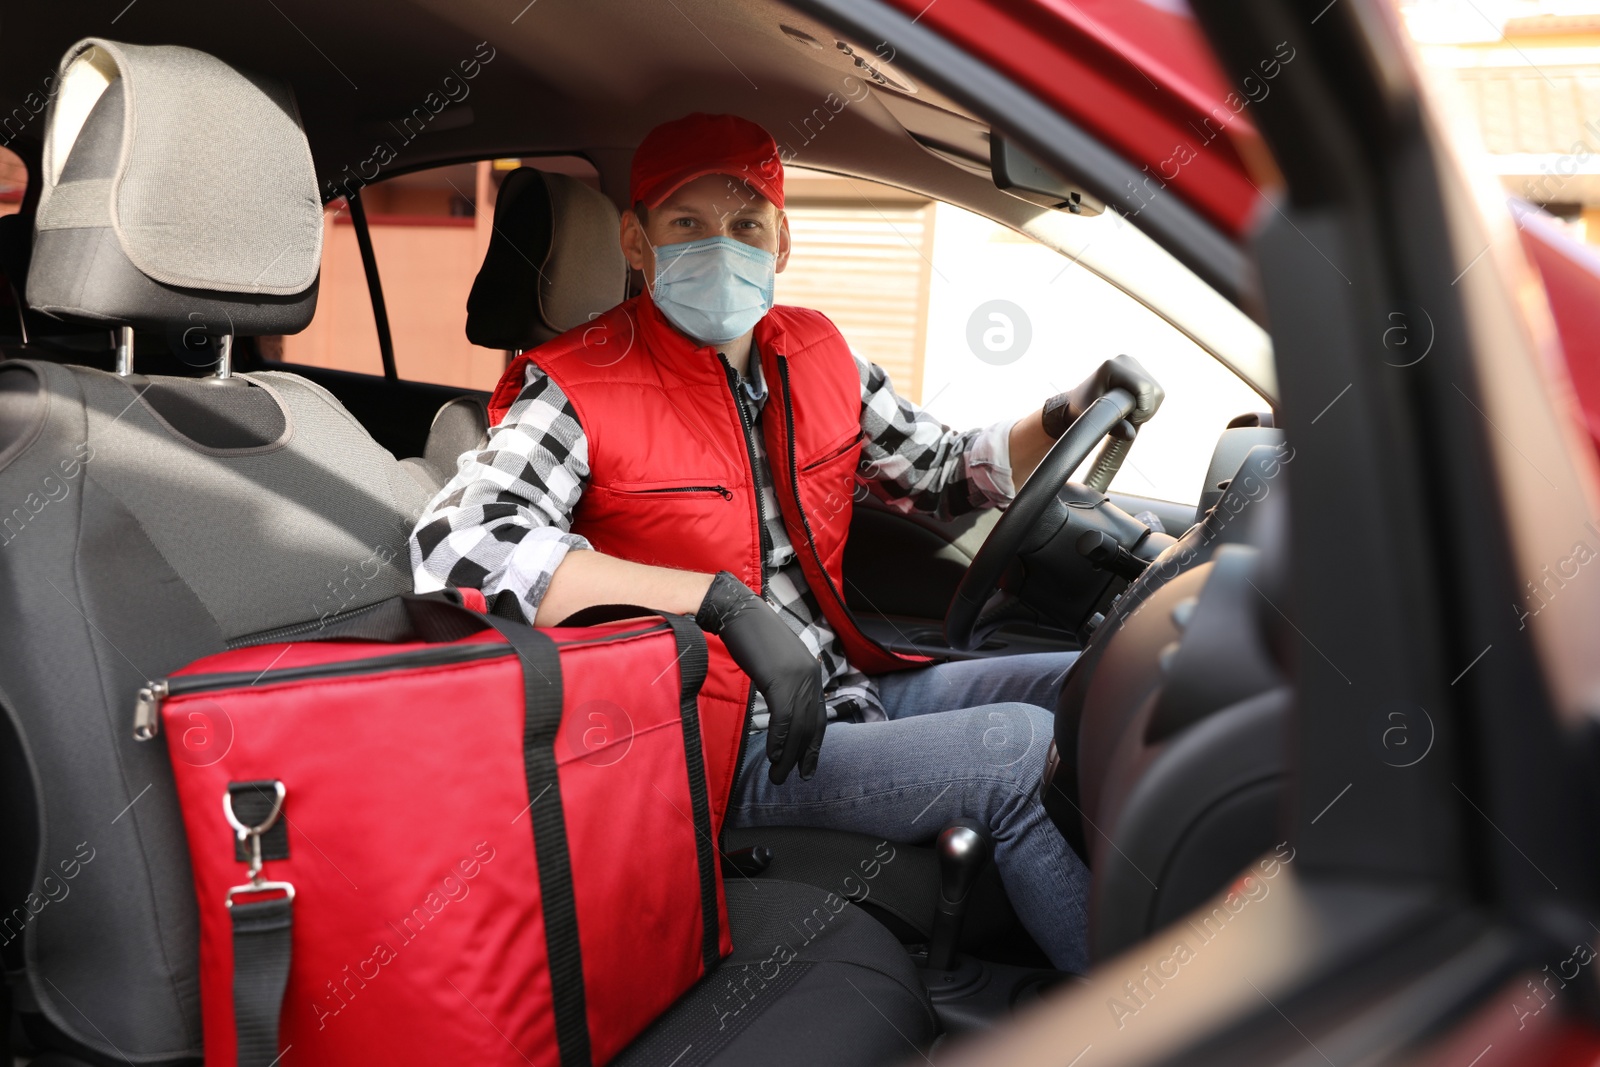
[(154, 520), (554, 262), (1174, 745)]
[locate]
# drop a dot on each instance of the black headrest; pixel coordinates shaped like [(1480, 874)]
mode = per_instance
[(553, 262)]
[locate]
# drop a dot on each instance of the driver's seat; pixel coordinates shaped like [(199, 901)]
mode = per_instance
[(553, 263), (1173, 732)]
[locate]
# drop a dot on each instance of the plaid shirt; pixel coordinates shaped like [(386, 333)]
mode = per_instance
[(503, 524)]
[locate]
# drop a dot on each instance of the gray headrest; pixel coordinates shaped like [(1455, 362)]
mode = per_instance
[(554, 240), (176, 190)]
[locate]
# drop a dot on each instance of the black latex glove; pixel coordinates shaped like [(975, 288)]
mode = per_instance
[(1122, 372), (779, 665)]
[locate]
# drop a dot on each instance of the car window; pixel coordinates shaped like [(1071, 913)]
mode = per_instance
[(13, 181), (13, 186), (978, 322), (343, 334), (430, 229)]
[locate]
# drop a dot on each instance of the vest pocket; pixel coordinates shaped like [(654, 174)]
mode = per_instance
[(704, 490), (832, 454)]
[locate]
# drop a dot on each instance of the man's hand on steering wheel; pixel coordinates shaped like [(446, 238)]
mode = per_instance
[(1108, 405), (1122, 372)]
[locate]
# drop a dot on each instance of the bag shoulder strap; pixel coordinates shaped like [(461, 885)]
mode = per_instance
[(262, 933), (262, 930), (542, 696), (693, 663)]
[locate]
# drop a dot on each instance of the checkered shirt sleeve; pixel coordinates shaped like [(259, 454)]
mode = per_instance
[(913, 462), (503, 523)]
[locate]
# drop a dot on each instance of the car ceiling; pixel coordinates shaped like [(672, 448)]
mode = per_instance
[(585, 76), (589, 77)]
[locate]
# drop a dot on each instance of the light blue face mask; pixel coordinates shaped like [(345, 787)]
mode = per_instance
[(713, 289)]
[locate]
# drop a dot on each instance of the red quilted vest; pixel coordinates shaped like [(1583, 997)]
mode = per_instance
[(671, 481)]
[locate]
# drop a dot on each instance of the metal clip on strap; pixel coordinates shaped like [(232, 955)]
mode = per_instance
[(251, 835), (262, 938)]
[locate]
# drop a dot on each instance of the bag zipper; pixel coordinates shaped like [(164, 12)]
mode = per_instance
[(148, 702), (285, 633), (147, 705), (605, 639)]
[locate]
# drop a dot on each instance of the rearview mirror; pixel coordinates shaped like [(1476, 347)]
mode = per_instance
[(1025, 178)]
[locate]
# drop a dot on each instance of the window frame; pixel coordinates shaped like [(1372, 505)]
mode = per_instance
[(1250, 362), (369, 260)]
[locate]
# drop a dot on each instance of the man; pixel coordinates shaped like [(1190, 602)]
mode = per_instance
[(695, 450)]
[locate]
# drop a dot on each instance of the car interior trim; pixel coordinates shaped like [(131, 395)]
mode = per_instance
[(1051, 137)]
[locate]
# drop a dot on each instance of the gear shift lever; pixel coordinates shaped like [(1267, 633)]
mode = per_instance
[(963, 849)]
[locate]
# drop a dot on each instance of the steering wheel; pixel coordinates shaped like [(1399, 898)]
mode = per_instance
[(980, 603)]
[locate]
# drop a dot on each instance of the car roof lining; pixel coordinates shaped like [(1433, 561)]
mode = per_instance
[(559, 77)]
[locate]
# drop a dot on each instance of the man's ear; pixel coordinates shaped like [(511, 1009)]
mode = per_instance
[(783, 241), (635, 246)]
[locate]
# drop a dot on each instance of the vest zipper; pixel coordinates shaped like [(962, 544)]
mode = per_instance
[(761, 523), (147, 705), (794, 486), (748, 429), (721, 491)]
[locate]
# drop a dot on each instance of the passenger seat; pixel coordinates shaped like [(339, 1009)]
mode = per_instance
[(553, 263), (155, 520)]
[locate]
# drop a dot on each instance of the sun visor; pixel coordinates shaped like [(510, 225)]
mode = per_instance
[(201, 173)]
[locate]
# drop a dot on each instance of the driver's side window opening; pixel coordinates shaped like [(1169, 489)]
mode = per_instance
[(1012, 322), (863, 256), (977, 322)]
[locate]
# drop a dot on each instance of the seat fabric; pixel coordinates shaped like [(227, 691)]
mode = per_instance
[(895, 883), (553, 263), (460, 424), (812, 979)]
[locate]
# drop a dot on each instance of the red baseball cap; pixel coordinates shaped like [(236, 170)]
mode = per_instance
[(676, 153)]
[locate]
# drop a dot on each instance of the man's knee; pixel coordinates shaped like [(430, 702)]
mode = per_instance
[(1009, 741)]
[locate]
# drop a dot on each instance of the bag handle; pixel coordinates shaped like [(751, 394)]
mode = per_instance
[(542, 699)]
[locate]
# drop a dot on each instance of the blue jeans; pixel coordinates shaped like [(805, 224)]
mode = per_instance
[(966, 738)]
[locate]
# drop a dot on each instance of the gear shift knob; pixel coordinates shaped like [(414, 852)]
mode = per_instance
[(962, 852), (963, 848)]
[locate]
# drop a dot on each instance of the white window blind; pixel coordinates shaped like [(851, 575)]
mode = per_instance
[(867, 268)]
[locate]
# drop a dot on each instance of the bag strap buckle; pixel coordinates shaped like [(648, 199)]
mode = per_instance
[(251, 837)]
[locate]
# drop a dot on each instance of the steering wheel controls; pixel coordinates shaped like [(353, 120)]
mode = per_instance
[(1101, 549)]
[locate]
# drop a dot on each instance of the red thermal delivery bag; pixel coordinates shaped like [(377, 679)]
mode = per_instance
[(463, 842)]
